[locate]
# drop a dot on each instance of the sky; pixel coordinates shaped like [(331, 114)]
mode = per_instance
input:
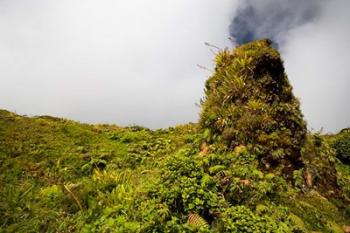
[(136, 62)]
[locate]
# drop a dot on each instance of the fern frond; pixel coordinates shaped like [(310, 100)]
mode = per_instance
[(197, 221)]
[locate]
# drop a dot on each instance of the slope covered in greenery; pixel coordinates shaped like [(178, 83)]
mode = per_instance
[(221, 175)]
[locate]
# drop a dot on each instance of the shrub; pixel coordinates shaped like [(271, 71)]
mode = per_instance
[(319, 159), (185, 187), (342, 146), (242, 219)]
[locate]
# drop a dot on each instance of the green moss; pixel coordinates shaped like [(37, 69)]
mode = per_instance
[(299, 225), (250, 101), (49, 167)]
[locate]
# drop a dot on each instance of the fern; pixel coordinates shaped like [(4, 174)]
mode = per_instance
[(196, 221)]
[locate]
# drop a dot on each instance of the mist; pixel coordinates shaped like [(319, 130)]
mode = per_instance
[(136, 62), (123, 62)]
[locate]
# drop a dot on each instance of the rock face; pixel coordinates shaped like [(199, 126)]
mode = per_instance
[(249, 101)]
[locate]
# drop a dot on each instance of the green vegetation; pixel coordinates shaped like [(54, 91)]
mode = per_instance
[(342, 145), (249, 101), (249, 166)]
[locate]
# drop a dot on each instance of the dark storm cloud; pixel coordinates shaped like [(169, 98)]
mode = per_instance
[(271, 18)]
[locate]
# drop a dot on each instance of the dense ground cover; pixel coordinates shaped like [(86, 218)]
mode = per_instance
[(61, 176), (248, 166)]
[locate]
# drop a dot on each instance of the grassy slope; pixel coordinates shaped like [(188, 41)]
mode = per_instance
[(38, 156), (58, 175)]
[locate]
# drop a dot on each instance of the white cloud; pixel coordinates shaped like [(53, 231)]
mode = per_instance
[(317, 57), (121, 62), (135, 61)]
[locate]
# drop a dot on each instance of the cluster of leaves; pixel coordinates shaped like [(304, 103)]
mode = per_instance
[(319, 159), (250, 101), (342, 145), (230, 193), (219, 188)]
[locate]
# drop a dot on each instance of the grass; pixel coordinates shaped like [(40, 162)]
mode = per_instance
[(59, 175)]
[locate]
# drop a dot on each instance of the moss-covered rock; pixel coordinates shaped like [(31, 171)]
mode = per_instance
[(249, 101)]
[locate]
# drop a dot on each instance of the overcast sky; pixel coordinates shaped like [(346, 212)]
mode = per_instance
[(135, 61)]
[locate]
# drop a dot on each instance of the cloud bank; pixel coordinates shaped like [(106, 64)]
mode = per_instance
[(317, 57), (135, 62), (123, 62)]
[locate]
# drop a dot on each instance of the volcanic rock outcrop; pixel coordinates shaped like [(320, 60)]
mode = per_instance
[(249, 101)]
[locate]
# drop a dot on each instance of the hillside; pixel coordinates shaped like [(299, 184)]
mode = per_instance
[(249, 165)]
